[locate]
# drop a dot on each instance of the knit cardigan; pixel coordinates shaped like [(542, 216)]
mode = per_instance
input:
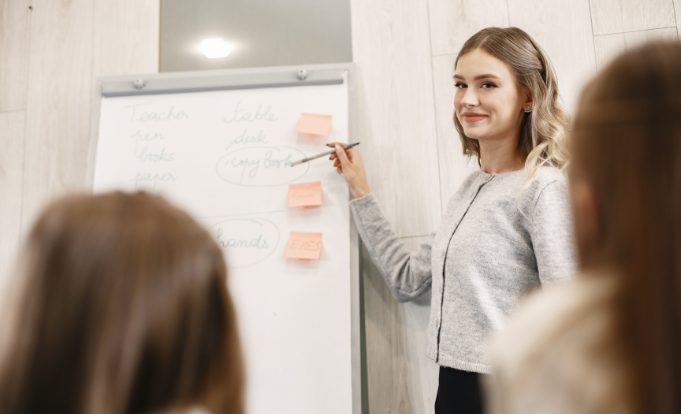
[(501, 236)]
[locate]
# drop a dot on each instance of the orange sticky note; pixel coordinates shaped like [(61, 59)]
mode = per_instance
[(305, 194), (314, 124), (304, 246)]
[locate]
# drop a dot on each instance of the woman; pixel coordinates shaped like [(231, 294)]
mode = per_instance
[(122, 307), (506, 230), (613, 341)]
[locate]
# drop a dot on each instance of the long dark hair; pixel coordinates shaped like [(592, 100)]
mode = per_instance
[(122, 307), (627, 146)]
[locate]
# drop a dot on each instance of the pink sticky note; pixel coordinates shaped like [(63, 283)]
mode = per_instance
[(305, 194), (304, 246), (314, 124)]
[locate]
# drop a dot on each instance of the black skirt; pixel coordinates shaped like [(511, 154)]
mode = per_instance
[(458, 392)]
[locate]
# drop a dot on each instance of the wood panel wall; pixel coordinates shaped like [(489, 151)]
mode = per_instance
[(52, 51)]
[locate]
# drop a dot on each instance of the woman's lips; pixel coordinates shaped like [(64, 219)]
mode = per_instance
[(473, 117)]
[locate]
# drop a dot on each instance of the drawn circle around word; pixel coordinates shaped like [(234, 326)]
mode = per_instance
[(261, 166), (246, 241)]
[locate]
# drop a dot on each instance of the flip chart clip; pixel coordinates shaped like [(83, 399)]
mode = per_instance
[(302, 74), (139, 83)]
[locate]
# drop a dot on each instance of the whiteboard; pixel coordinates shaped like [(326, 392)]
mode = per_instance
[(218, 145)]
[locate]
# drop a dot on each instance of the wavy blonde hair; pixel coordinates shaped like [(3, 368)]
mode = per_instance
[(542, 130)]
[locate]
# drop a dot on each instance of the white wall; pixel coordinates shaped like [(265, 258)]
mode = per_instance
[(50, 56)]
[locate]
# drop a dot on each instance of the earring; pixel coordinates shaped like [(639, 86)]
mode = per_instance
[(528, 110)]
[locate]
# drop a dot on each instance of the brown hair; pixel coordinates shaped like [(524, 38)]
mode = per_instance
[(627, 146), (122, 307), (543, 128)]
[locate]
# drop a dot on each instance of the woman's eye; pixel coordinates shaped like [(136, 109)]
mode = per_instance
[(488, 85), (459, 85)]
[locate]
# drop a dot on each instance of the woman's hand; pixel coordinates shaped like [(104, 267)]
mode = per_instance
[(350, 164)]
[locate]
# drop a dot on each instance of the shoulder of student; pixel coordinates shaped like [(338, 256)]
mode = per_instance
[(554, 350), (540, 316)]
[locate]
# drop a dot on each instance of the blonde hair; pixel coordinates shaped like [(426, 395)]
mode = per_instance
[(543, 129), (123, 307)]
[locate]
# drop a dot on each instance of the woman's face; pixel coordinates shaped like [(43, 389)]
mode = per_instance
[(488, 101)]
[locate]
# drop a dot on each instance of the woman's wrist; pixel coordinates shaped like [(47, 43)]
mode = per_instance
[(359, 192)]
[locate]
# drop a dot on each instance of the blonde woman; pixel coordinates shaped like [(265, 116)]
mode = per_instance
[(121, 307), (505, 232), (612, 342)]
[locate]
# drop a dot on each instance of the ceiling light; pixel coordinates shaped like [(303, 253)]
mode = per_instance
[(215, 48)]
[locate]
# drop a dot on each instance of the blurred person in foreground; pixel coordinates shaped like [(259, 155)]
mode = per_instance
[(610, 341), (121, 307)]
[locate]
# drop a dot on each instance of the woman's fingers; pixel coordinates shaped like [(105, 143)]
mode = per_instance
[(349, 164), (342, 156)]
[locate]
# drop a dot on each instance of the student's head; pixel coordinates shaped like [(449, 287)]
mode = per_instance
[(502, 75), (626, 191), (122, 307)]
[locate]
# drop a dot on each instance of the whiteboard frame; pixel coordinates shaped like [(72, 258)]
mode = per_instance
[(251, 78)]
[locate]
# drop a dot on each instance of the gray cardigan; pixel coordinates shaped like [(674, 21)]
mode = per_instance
[(501, 236)]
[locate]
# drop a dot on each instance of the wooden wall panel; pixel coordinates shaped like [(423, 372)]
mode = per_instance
[(607, 46), (677, 17), (617, 16), (454, 21), (391, 49), (126, 41), (58, 101), (395, 120), (126, 37), (11, 161), (77, 40), (401, 379), (563, 30), (14, 47)]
